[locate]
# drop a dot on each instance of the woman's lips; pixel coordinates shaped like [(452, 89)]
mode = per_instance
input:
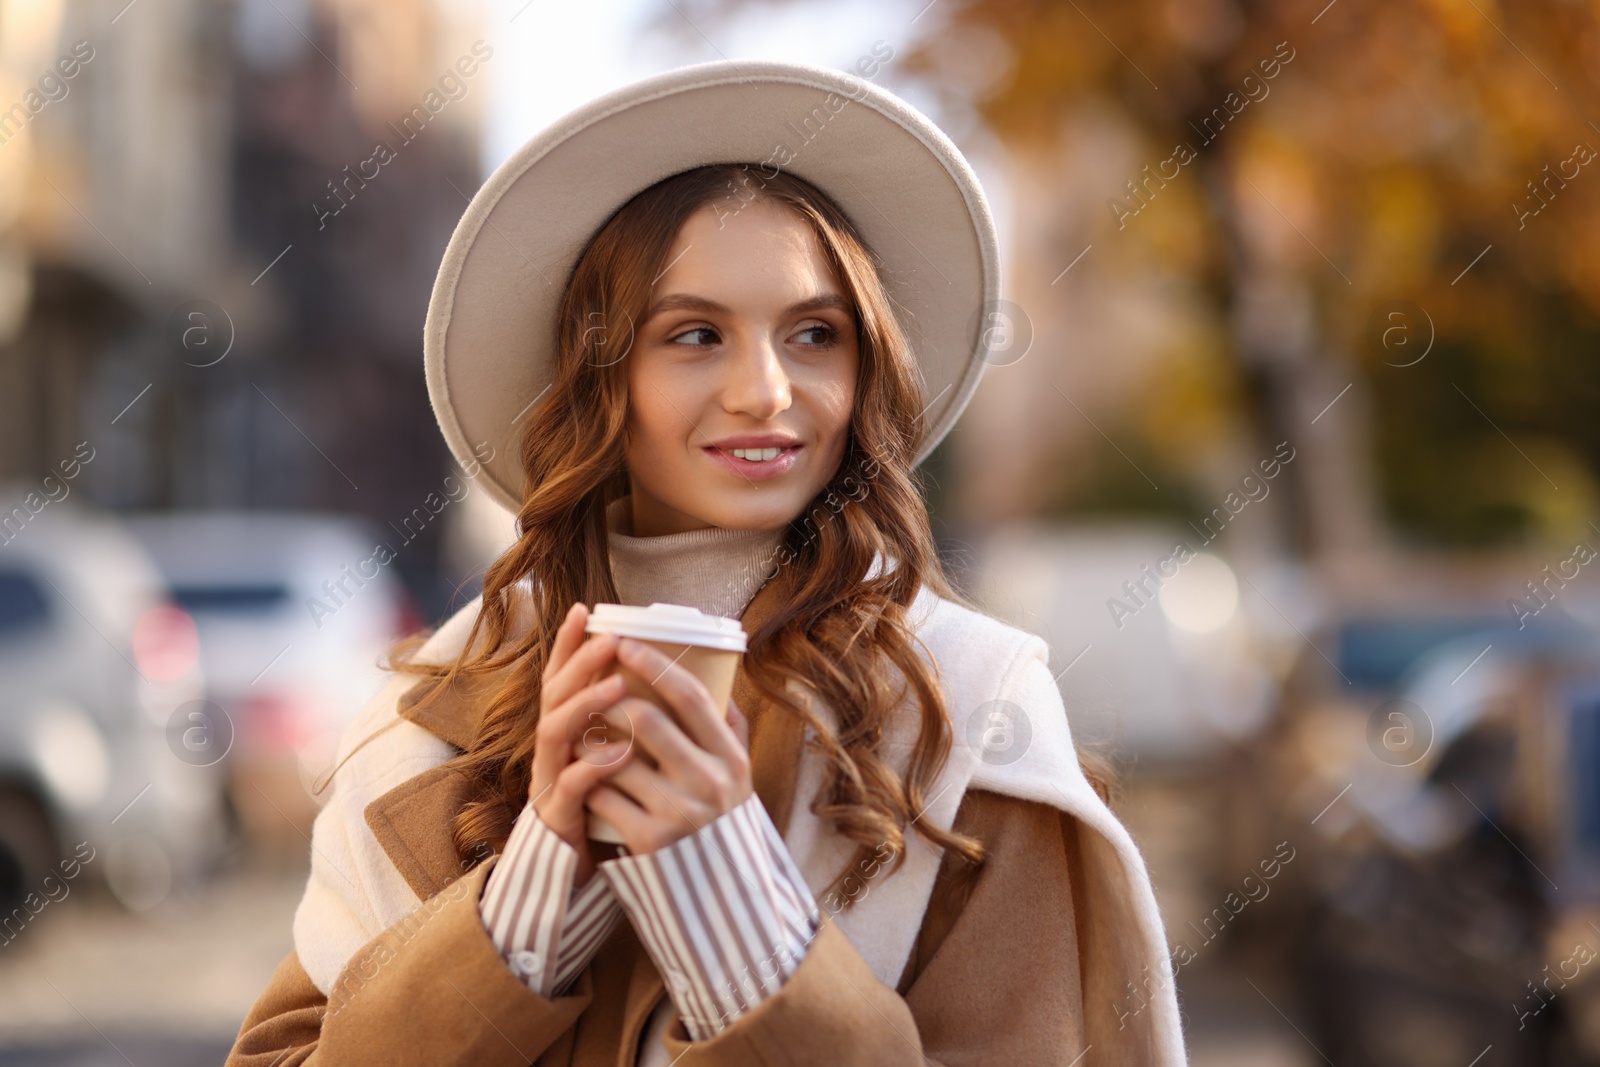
[(755, 470)]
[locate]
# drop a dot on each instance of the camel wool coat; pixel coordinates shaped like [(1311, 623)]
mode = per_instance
[(1052, 952)]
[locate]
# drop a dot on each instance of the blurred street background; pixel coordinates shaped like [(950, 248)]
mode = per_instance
[(1292, 456)]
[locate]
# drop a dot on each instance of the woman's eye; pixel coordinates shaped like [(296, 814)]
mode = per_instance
[(821, 335), (710, 337)]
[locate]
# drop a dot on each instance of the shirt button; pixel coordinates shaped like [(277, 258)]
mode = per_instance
[(527, 963)]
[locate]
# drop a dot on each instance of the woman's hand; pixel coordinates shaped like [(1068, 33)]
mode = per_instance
[(565, 769), (702, 768)]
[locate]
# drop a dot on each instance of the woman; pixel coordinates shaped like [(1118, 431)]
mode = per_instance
[(884, 849)]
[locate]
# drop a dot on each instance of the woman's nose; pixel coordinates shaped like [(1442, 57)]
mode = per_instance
[(759, 384)]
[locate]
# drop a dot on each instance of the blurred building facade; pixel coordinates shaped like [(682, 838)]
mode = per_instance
[(218, 234)]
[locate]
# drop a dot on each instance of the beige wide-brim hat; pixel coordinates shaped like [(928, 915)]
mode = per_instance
[(490, 332)]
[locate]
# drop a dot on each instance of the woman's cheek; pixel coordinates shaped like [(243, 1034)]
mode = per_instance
[(646, 443), (824, 403)]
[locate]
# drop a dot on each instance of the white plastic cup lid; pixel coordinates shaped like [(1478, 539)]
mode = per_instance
[(670, 623)]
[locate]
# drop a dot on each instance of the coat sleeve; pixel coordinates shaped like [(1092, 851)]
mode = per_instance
[(430, 990), (994, 976)]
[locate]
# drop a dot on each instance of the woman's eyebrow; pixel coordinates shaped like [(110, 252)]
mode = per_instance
[(684, 302), (819, 302), (690, 302)]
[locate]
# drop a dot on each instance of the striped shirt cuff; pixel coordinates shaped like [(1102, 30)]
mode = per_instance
[(547, 931), (724, 913)]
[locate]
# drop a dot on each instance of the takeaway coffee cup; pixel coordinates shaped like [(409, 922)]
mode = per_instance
[(707, 646)]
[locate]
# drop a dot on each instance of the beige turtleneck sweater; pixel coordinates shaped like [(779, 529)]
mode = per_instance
[(716, 570)]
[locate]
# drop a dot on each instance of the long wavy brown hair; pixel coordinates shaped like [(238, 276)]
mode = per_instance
[(839, 634)]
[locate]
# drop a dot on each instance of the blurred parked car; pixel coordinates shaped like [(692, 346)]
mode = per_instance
[(294, 612), (1170, 663), (96, 664), (1440, 772)]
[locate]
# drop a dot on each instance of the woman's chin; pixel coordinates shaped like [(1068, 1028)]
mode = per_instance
[(767, 507)]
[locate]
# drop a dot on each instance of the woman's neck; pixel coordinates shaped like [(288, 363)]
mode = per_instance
[(716, 570)]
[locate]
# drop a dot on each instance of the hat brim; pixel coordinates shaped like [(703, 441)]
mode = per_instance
[(491, 320)]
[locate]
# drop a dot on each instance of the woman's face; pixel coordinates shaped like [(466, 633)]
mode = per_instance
[(741, 377)]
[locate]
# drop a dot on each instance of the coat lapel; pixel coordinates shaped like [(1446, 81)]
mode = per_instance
[(413, 824), (449, 711), (413, 820)]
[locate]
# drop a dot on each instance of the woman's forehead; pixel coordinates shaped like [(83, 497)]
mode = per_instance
[(765, 254)]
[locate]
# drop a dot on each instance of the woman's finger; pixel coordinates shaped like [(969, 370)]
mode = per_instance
[(560, 804), (604, 733), (577, 778), (572, 716), (739, 725), (686, 695), (563, 731), (678, 757), (589, 659), (658, 795), (620, 810), (569, 635)]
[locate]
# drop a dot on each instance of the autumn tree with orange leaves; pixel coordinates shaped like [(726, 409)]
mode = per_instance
[(1389, 210)]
